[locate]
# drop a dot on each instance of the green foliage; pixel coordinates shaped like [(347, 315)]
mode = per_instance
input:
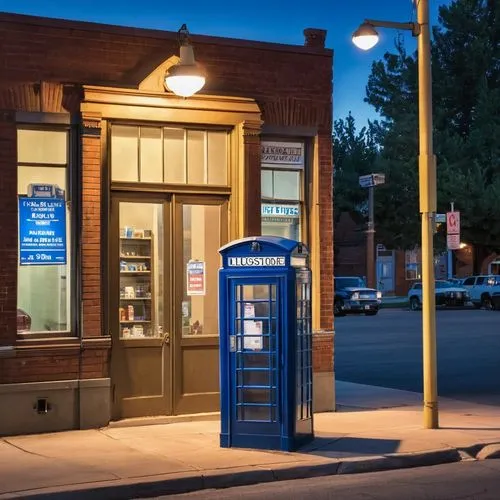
[(354, 154), (466, 109)]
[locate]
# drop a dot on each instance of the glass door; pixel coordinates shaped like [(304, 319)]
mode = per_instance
[(140, 307), (201, 228)]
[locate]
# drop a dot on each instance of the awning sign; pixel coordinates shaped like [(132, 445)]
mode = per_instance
[(42, 231), (195, 277)]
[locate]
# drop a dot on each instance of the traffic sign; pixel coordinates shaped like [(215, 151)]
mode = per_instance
[(440, 218), (453, 241), (371, 180), (366, 181), (453, 223)]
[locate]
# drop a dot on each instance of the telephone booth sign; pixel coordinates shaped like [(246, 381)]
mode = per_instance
[(265, 344)]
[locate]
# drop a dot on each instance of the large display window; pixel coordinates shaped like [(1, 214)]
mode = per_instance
[(169, 155), (44, 260)]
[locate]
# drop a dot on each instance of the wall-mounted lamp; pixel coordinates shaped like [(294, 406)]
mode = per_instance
[(186, 77)]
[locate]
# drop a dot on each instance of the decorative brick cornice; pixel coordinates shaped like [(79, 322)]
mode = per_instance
[(295, 112), (41, 97)]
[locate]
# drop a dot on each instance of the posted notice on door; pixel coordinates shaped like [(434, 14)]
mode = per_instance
[(195, 277)]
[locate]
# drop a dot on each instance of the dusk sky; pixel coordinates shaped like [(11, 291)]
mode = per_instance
[(266, 20)]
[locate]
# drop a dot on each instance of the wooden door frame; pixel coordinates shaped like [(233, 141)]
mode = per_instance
[(181, 404), (113, 280)]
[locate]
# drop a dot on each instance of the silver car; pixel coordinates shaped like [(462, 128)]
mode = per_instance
[(447, 294)]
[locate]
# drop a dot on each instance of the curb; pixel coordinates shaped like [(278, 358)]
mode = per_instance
[(188, 482)]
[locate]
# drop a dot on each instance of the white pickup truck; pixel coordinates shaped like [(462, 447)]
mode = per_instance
[(481, 288)]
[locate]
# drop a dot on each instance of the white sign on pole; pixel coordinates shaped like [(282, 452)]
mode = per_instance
[(371, 180), (453, 241), (453, 223)]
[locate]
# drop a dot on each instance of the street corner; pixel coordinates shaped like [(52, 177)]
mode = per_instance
[(490, 451)]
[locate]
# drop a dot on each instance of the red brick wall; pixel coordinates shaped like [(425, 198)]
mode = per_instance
[(326, 230), (36, 49), (8, 229), (91, 226), (292, 85), (31, 365), (323, 352)]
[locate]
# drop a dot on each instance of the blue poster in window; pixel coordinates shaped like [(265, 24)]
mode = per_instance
[(42, 231)]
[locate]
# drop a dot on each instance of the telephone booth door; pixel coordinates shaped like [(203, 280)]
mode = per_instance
[(255, 358)]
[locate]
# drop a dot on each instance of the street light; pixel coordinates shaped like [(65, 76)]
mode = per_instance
[(427, 188)]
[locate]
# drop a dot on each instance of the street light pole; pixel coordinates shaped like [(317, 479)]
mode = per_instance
[(366, 37), (370, 240), (427, 185)]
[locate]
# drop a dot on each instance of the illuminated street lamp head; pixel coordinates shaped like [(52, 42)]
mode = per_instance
[(187, 76), (365, 37)]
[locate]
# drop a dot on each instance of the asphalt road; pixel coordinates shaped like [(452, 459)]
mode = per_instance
[(386, 350), (463, 480)]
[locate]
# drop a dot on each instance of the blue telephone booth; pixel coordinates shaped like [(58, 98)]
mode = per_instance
[(265, 344)]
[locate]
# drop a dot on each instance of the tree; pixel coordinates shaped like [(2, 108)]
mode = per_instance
[(354, 154), (466, 105)]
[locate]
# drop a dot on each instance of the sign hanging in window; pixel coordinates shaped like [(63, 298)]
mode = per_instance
[(42, 226)]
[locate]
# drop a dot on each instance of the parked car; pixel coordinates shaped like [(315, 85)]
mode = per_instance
[(23, 321), (481, 288), (495, 301), (447, 294), (353, 296), (456, 281)]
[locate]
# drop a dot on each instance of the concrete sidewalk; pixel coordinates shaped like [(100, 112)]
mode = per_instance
[(394, 302), (374, 429)]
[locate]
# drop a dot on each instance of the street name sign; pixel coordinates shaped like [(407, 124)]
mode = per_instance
[(370, 180)]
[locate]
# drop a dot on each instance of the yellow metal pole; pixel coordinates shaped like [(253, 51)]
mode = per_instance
[(427, 184)]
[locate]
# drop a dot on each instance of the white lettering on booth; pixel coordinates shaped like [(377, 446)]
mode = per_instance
[(278, 261)]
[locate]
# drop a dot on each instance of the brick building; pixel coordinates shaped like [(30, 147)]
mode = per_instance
[(130, 184)]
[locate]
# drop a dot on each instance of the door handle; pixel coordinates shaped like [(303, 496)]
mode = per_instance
[(166, 339)]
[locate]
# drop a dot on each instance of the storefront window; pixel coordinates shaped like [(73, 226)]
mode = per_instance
[(169, 155), (141, 270), (281, 186), (44, 278), (413, 264), (201, 242)]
